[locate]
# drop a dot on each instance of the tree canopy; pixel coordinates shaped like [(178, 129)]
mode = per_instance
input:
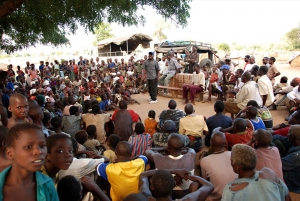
[(225, 47), (293, 38), (24, 23), (103, 31), (160, 27)]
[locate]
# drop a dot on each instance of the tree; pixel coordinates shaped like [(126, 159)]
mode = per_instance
[(102, 31), (293, 38), (225, 47), (160, 27), (24, 23)]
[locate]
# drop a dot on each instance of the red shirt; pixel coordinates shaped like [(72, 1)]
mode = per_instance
[(282, 131), (134, 116), (239, 138)]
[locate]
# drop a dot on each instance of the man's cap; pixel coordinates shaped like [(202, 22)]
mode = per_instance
[(169, 125), (225, 67), (151, 53)]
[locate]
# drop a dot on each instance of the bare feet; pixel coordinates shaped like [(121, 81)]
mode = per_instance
[(193, 103), (185, 102)]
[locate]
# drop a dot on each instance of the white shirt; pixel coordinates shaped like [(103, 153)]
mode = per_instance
[(162, 66), (265, 88), (249, 91), (249, 67), (198, 79), (294, 94)]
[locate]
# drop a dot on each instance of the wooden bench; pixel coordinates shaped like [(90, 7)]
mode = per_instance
[(175, 92)]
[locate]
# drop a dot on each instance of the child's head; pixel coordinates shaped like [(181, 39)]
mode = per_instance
[(205, 67), (96, 109), (18, 106), (139, 128), (47, 119), (175, 142), (262, 138), (283, 79), (151, 114), (113, 141), (69, 188), (81, 136), (123, 150), (56, 122), (26, 147), (60, 151), (251, 112), (103, 97), (36, 113), (230, 94), (92, 131), (74, 110)]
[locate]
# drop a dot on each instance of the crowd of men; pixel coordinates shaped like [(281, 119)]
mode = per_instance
[(67, 133)]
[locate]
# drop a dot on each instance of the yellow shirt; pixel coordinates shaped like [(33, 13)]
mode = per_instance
[(193, 125), (44, 171), (123, 176)]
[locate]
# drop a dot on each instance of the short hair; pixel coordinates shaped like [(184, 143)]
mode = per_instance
[(47, 118), (113, 140), (297, 115), (252, 111), (189, 108), (253, 103), (56, 122), (96, 108), (122, 104), (266, 58), (273, 59), (255, 67), (53, 139), (69, 188), (81, 136), (3, 133), (15, 132), (124, 148), (95, 102), (73, 110), (263, 137), (151, 114), (172, 104), (247, 75), (219, 106), (240, 71), (295, 130), (87, 103), (244, 156), (264, 69), (283, 79), (247, 56), (163, 183), (91, 130), (221, 63), (74, 144), (139, 128), (136, 197), (240, 124)]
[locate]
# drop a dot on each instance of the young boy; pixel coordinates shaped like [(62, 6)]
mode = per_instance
[(254, 122), (140, 140), (150, 123), (59, 157), (123, 175), (37, 115), (4, 162), (92, 144), (112, 143), (18, 106), (26, 148), (56, 123), (206, 74)]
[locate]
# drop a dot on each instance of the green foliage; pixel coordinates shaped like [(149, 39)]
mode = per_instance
[(293, 38), (102, 31), (225, 47), (237, 46), (160, 27), (24, 23)]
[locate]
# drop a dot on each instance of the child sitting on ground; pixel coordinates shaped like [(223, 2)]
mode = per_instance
[(254, 122), (140, 140), (92, 144), (59, 156), (112, 143), (283, 83), (56, 124), (150, 123), (26, 148)]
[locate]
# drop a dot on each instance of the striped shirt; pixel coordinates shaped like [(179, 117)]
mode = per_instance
[(140, 143)]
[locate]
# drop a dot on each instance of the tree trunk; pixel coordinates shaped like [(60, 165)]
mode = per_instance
[(9, 6)]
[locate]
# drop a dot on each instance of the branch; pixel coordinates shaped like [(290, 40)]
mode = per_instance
[(9, 6)]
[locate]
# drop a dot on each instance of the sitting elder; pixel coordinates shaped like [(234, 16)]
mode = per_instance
[(252, 185)]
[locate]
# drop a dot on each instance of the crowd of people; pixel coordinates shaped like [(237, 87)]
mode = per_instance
[(67, 133)]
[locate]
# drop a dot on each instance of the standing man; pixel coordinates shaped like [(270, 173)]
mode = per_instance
[(265, 61), (265, 87), (173, 65), (251, 63), (246, 59), (151, 68), (273, 71), (192, 59)]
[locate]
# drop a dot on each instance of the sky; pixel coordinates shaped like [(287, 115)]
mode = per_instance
[(215, 21)]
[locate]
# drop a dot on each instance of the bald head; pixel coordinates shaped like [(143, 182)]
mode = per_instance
[(32, 103), (172, 104), (124, 149), (239, 125), (35, 112), (189, 108), (175, 142), (218, 140), (262, 137), (246, 76), (16, 97)]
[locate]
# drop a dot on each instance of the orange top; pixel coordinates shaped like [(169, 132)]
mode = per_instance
[(214, 77), (150, 126)]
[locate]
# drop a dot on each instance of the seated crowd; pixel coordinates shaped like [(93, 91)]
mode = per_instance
[(68, 135)]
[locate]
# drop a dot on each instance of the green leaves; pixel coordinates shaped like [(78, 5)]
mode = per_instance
[(49, 21)]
